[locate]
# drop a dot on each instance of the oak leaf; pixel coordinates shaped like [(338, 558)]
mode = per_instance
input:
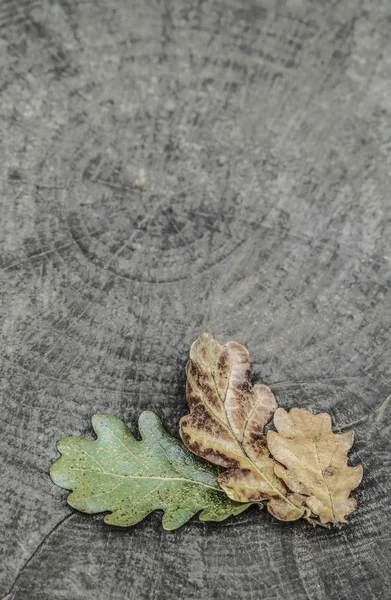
[(315, 463), (226, 425), (132, 478)]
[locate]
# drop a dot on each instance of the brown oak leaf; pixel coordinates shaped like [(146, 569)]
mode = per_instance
[(226, 425), (315, 463)]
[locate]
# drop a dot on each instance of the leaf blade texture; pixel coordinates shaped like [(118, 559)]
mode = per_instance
[(226, 423), (314, 463), (132, 478)]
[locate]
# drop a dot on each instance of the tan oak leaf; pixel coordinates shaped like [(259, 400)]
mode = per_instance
[(315, 463), (226, 425)]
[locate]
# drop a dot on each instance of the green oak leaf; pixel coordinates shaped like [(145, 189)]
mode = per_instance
[(132, 478)]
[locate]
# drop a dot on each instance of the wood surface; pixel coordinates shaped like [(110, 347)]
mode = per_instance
[(169, 168)]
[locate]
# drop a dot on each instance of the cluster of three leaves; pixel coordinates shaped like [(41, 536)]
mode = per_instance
[(131, 478)]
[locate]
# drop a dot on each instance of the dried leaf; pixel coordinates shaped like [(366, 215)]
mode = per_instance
[(132, 478), (226, 424), (315, 462)]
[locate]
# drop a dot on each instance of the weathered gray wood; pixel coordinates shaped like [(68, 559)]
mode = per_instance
[(173, 167)]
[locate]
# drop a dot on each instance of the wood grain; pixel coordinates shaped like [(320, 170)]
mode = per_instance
[(169, 168)]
